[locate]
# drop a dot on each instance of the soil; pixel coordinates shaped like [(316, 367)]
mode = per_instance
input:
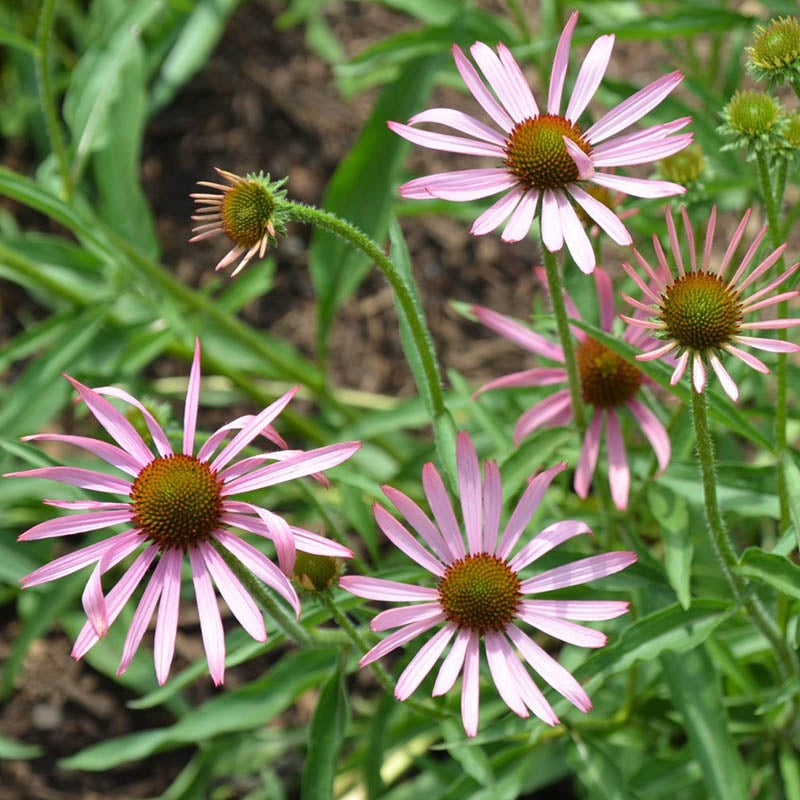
[(262, 101)]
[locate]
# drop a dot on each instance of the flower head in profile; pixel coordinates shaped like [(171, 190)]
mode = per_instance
[(546, 160), (178, 505), (479, 593), (609, 384), (698, 312), (247, 212)]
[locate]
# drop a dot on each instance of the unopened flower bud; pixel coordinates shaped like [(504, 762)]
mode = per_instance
[(775, 52), (316, 573)]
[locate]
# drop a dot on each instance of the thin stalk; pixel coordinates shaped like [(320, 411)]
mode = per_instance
[(772, 209), (44, 35), (290, 627), (721, 541), (556, 288)]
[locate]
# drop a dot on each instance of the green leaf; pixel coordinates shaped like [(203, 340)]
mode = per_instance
[(695, 692), (672, 513), (361, 191), (597, 771), (11, 749), (793, 489), (325, 737), (770, 569)]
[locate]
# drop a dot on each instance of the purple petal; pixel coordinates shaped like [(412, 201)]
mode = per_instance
[(423, 662), (210, 622), (386, 591), (584, 570)]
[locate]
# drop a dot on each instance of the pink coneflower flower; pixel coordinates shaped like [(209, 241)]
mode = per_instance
[(608, 383), (479, 593), (178, 504), (247, 211), (546, 157), (699, 312)]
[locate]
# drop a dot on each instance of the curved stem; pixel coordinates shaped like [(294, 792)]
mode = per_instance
[(772, 208), (721, 540), (556, 288), (44, 33)]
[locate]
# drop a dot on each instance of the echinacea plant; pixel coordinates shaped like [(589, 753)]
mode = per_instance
[(479, 594), (178, 504), (545, 158)]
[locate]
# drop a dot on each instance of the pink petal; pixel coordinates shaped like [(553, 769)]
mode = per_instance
[(492, 505), (550, 670), (728, 383), (589, 77), (115, 423), (594, 610), (587, 461), (680, 367), (497, 653), (584, 163), (189, 424), (459, 186), (469, 488), (605, 298), (770, 345), (260, 566), (160, 439), (315, 544), (498, 211), (451, 666), (439, 503), (627, 154), (234, 593), (633, 108), (733, 245), (654, 431), (526, 508), (602, 215), (470, 686), (619, 476), (423, 662), (521, 219), (108, 452), (464, 123), (637, 187), (446, 142), (421, 523), (395, 640), (560, 63), (538, 376), (404, 541), (73, 476), (479, 91), (516, 83), (280, 534), (518, 105), (584, 570), (76, 523), (210, 622), (748, 358), (517, 333), (406, 615), (551, 223), (531, 695), (387, 591), (552, 536), (698, 373), (568, 632), (578, 244), (543, 414), (167, 618)]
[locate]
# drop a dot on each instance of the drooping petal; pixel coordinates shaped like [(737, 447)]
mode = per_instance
[(637, 187), (167, 618), (654, 431), (422, 663), (728, 383), (452, 664), (587, 462), (395, 640), (502, 676), (470, 688), (210, 620), (521, 219), (619, 476)]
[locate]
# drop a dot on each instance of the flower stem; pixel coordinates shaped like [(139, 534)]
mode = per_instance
[(721, 540), (556, 288), (429, 382), (771, 207), (285, 621), (44, 34)]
